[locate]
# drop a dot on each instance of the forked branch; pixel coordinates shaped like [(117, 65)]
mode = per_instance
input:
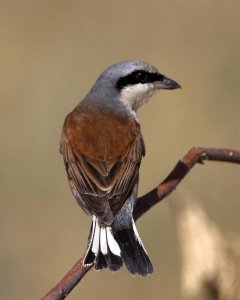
[(144, 203)]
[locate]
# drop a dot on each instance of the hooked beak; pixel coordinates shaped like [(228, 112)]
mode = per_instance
[(167, 84)]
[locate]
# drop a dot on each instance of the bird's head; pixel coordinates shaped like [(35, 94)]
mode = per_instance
[(130, 82)]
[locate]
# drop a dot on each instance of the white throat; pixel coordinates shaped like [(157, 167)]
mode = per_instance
[(134, 96)]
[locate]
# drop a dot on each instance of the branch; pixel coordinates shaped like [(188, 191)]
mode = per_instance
[(144, 203), (194, 155), (69, 281)]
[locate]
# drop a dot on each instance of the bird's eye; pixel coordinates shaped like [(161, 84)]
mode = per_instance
[(141, 76)]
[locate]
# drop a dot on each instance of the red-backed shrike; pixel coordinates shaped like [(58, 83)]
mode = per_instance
[(102, 148)]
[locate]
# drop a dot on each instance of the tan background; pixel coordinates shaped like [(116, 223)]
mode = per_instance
[(51, 53)]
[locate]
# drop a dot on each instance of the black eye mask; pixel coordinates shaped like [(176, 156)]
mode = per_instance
[(139, 76)]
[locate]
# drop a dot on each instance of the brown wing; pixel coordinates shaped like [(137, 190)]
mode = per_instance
[(102, 156)]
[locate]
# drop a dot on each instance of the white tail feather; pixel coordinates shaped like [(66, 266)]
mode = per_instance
[(113, 245), (102, 239), (95, 236), (137, 235)]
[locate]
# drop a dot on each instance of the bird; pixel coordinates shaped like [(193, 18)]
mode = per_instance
[(102, 148)]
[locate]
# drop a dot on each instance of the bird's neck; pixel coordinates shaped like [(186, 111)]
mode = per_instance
[(106, 106), (133, 97)]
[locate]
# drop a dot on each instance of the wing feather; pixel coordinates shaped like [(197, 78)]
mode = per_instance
[(102, 181)]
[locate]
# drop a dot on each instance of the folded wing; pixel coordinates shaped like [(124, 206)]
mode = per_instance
[(102, 156)]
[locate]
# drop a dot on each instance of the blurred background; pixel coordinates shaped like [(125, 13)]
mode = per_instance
[(51, 53)]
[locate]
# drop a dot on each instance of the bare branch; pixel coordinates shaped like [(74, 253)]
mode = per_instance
[(144, 203), (194, 155), (69, 281)]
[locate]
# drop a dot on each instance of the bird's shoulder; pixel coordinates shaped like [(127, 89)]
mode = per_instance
[(99, 134)]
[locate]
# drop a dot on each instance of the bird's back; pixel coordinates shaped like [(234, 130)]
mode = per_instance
[(100, 135), (102, 155)]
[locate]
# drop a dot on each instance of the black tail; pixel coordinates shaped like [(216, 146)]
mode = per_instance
[(133, 252), (110, 245)]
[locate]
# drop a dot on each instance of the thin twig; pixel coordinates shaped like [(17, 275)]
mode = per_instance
[(144, 203), (69, 281), (194, 155)]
